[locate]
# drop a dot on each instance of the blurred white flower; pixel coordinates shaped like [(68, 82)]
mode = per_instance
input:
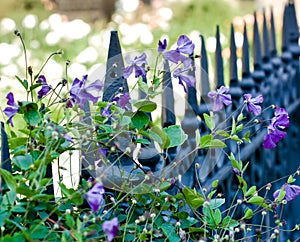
[(8, 51), (55, 21), (165, 13), (76, 70), (30, 21), (239, 39), (35, 44), (195, 38), (129, 5), (87, 55), (7, 25), (52, 38), (53, 71), (211, 44), (10, 70), (44, 25), (146, 37), (76, 29)]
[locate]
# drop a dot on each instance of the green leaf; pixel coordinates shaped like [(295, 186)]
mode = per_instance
[(193, 198), (239, 128), (205, 140), (143, 141), (281, 194), (142, 86), (217, 216), (233, 127), (139, 120), (215, 183), (222, 133), (209, 121), (240, 117), (9, 179), (256, 200), (246, 137), (24, 82), (217, 202), (23, 161), (25, 191), (291, 179), (145, 105), (176, 135), (125, 120), (71, 194), (250, 191), (248, 213), (159, 136), (31, 113), (229, 222)]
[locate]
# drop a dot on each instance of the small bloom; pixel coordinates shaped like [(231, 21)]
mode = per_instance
[(95, 196), (11, 111), (106, 111), (43, 91), (111, 228), (162, 46), (137, 65), (80, 92), (218, 98), (291, 192), (252, 103), (274, 135), (184, 78), (184, 46), (122, 99)]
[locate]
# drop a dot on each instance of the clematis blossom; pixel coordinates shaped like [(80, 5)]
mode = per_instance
[(94, 196), (122, 99), (184, 46), (45, 87), (111, 228), (162, 45), (137, 65), (183, 77), (80, 92), (219, 98), (291, 192), (252, 103), (274, 135), (12, 109)]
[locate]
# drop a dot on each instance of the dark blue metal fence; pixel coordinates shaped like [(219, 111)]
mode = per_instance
[(274, 76)]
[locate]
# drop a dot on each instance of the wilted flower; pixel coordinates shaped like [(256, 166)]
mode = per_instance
[(95, 196), (11, 111), (252, 103), (182, 77), (111, 228), (137, 65), (80, 92), (218, 98), (291, 192), (274, 135), (184, 46)]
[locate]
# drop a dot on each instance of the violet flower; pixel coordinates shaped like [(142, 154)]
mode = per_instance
[(291, 192), (11, 111), (122, 99), (137, 65), (94, 196), (106, 111), (111, 228), (219, 99), (80, 92), (162, 46), (45, 87), (274, 135), (184, 78), (184, 46), (252, 103)]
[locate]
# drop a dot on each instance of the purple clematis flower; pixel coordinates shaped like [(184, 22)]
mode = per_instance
[(106, 111), (45, 87), (95, 196), (122, 99), (111, 228), (11, 111), (219, 99), (162, 46), (291, 192), (189, 80), (184, 46), (274, 135), (252, 103), (80, 92), (137, 65)]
